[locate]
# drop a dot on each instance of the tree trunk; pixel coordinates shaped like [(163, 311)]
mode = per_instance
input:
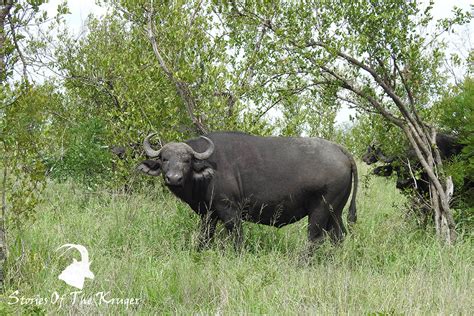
[(3, 239), (5, 8), (425, 149), (4, 11)]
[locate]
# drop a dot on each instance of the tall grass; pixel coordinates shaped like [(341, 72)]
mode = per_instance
[(142, 246)]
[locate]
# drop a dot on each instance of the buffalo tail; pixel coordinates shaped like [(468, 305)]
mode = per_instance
[(352, 215)]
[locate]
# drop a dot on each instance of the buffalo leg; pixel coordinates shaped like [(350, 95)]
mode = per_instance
[(234, 227), (336, 229), (232, 219), (335, 226), (207, 230), (317, 223), (318, 220)]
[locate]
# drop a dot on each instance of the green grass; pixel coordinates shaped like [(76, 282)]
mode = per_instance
[(142, 246)]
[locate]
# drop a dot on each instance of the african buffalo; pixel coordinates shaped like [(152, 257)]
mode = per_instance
[(410, 174), (375, 154), (233, 176)]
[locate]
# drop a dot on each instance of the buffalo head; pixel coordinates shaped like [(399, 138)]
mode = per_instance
[(177, 162), (375, 154)]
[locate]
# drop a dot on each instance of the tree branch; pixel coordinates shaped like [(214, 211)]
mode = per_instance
[(181, 87), (4, 12), (17, 47), (231, 99), (386, 73), (351, 87), (388, 90), (414, 122), (428, 169), (292, 92), (250, 70)]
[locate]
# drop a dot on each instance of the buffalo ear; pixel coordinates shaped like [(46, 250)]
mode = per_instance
[(202, 170), (150, 167)]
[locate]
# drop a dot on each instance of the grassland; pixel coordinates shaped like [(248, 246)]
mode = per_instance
[(142, 246)]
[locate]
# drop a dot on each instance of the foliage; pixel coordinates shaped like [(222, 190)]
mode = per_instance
[(85, 158), (24, 137), (23, 116), (455, 113), (180, 68), (371, 129), (112, 74)]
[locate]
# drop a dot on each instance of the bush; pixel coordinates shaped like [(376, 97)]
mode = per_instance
[(456, 115), (85, 156)]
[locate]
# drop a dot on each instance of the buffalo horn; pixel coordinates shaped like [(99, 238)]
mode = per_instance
[(207, 153), (148, 150)]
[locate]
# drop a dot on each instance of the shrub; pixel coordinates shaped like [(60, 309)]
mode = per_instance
[(85, 157)]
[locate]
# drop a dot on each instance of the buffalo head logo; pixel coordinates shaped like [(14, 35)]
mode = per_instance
[(77, 271)]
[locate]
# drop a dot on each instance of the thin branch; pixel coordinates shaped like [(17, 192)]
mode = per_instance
[(396, 99), (231, 99), (17, 47), (4, 11), (411, 99), (249, 74), (292, 92), (355, 105), (95, 82), (181, 87), (62, 117), (404, 82), (386, 73), (351, 87), (413, 122), (412, 174), (388, 90), (279, 75), (3, 251)]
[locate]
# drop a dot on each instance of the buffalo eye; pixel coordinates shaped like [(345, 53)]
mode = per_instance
[(187, 160)]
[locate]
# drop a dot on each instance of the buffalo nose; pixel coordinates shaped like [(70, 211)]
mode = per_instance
[(173, 179)]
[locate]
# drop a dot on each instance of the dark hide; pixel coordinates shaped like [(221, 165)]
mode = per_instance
[(150, 167), (410, 174), (383, 171), (375, 154), (448, 145), (267, 180)]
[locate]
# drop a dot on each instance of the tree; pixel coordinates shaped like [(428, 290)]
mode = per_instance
[(215, 78), (377, 55), (189, 62), (23, 115), (455, 113)]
